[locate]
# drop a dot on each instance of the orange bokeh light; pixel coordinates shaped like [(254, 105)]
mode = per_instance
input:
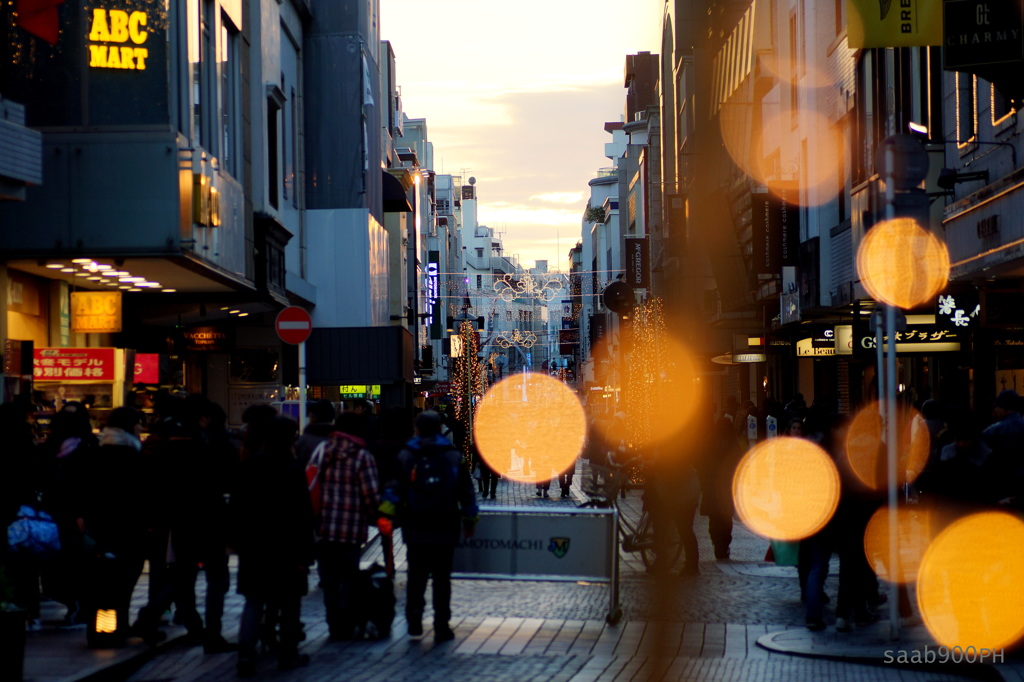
[(786, 488), (661, 393), (915, 529), (902, 264), (866, 446), (751, 143), (969, 586), (808, 75), (530, 427)]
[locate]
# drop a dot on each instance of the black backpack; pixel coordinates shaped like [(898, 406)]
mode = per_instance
[(431, 483)]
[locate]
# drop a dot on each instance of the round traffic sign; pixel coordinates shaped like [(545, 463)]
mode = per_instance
[(293, 325), (618, 297)]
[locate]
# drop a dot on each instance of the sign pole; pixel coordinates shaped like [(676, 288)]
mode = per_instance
[(890, 410), (302, 387), (294, 325)]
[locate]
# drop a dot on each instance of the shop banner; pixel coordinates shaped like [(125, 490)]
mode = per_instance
[(638, 256), (73, 364), (147, 368)]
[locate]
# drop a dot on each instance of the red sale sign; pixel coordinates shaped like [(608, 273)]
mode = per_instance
[(73, 364), (147, 368)]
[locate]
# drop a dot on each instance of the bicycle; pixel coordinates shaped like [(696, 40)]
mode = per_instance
[(603, 491)]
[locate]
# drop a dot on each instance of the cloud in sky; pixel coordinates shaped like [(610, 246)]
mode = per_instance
[(559, 197), (533, 161), (517, 95)]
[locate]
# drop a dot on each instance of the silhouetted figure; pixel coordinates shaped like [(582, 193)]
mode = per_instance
[(273, 534)]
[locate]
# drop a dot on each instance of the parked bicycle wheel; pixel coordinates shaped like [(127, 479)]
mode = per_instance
[(643, 541)]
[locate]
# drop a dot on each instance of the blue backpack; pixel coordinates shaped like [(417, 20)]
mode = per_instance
[(33, 532), (431, 484)]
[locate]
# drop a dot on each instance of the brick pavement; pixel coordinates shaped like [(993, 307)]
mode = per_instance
[(706, 628)]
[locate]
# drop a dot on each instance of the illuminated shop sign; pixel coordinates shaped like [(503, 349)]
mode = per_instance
[(821, 345), (95, 312), (432, 291), (359, 391), (115, 39), (73, 364), (434, 295), (917, 339)]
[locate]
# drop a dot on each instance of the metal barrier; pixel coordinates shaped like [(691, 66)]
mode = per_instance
[(559, 543)]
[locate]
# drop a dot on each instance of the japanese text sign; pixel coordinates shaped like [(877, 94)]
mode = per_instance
[(73, 364)]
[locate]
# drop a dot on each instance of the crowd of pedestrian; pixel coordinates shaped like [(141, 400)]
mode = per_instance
[(180, 491)]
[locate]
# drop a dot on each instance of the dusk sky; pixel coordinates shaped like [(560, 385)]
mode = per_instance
[(516, 95)]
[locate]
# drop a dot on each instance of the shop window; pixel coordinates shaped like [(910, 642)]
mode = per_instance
[(275, 104), (230, 97), (254, 366)]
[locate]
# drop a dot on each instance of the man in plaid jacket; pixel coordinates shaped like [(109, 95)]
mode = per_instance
[(350, 497)]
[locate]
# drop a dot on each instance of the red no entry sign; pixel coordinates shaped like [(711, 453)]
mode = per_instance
[(293, 325)]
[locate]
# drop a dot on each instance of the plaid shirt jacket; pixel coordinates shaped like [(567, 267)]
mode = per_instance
[(350, 491)]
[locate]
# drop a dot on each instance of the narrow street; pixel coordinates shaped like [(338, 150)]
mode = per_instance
[(555, 631)]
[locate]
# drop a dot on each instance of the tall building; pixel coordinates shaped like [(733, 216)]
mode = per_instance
[(210, 163)]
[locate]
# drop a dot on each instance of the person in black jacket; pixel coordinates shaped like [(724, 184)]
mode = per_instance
[(272, 518), (112, 515), (20, 479), (436, 498)]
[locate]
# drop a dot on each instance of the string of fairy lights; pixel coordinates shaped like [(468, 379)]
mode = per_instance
[(468, 380), (646, 359)]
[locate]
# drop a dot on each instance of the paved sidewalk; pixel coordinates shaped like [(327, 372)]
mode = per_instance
[(738, 620)]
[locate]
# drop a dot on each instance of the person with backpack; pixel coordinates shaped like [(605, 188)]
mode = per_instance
[(436, 497)]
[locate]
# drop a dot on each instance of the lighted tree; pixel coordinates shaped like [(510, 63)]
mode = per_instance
[(469, 382)]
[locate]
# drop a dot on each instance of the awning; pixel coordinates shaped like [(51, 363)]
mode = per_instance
[(395, 199)]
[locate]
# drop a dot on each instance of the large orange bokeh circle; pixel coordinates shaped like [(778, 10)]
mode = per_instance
[(750, 143), (786, 488), (866, 448), (915, 529), (969, 586), (902, 264), (530, 427), (666, 401)]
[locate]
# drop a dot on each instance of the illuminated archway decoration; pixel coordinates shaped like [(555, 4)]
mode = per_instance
[(516, 338), (511, 287)]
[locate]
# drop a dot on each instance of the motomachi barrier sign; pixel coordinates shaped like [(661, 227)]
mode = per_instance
[(543, 544)]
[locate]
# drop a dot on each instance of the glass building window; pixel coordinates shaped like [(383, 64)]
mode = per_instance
[(230, 97)]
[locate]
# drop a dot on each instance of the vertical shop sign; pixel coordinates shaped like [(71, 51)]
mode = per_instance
[(64, 313), (776, 233), (637, 262), (434, 294)]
